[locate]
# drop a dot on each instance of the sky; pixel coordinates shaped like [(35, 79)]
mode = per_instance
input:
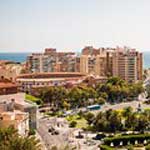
[(69, 25)]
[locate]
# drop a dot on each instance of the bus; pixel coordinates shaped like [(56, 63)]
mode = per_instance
[(94, 107)]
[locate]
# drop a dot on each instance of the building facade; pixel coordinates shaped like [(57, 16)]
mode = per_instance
[(97, 62), (11, 99), (27, 82), (17, 119), (52, 61), (128, 64)]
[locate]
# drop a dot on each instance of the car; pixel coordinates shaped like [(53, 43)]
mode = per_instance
[(51, 129), (99, 136), (55, 132)]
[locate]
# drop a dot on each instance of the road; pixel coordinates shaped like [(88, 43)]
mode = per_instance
[(66, 136), (133, 104), (66, 133), (49, 140)]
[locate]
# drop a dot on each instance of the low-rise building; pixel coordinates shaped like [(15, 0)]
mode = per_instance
[(10, 69), (17, 102), (28, 81), (17, 119), (11, 99), (7, 86)]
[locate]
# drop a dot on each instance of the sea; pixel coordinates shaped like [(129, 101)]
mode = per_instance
[(21, 57), (16, 57)]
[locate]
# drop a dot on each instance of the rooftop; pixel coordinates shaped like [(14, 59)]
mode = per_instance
[(6, 83), (15, 115), (52, 75)]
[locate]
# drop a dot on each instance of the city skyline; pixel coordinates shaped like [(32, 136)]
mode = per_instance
[(31, 26)]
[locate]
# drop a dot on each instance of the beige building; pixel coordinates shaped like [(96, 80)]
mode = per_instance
[(52, 61), (19, 120), (97, 62), (127, 64), (28, 82), (17, 101), (124, 62), (11, 99), (10, 69)]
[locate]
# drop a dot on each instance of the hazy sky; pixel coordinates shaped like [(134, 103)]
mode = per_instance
[(32, 25)]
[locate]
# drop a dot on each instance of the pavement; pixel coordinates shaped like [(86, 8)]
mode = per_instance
[(134, 104), (67, 135), (54, 140)]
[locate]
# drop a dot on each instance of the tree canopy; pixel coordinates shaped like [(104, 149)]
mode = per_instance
[(10, 140), (115, 90)]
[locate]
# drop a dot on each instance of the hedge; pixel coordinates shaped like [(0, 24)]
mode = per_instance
[(127, 138), (105, 147), (147, 147)]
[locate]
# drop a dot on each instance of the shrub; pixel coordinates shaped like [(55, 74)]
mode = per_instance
[(80, 113), (101, 101), (105, 147), (31, 132), (89, 117), (147, 147), (132, 138), (72, 124), (33, 99), (130, 147)]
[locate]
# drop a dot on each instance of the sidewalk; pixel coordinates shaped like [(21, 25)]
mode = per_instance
[(41, 141)]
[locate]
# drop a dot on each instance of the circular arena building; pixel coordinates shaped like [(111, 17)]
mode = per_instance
[(36, 80)]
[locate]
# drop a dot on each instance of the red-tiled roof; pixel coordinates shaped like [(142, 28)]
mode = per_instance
[(7, 85)]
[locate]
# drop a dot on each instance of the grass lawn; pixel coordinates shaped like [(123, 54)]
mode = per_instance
[(81, 122), (32, 98)]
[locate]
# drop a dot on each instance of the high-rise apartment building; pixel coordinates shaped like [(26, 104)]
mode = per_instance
[(52, 61), (127, 64), (124, 62), (96, 61)]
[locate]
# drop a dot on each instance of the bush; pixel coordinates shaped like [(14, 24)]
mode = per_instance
[(147, 147), (80, 113), (32, 132), (89, 117), (105, 147), (130, 147), (132, 138), (33, 99), (72, 124), (101, 101)]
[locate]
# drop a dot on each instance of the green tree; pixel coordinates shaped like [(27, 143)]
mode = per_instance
[(115, 123), (54, 96), (127, 112), (89, 117), (10, 140), (75, 97), (100, 101)]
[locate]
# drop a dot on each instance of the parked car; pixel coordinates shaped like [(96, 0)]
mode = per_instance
[(55, 132), (51, 129), (99, 136)]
